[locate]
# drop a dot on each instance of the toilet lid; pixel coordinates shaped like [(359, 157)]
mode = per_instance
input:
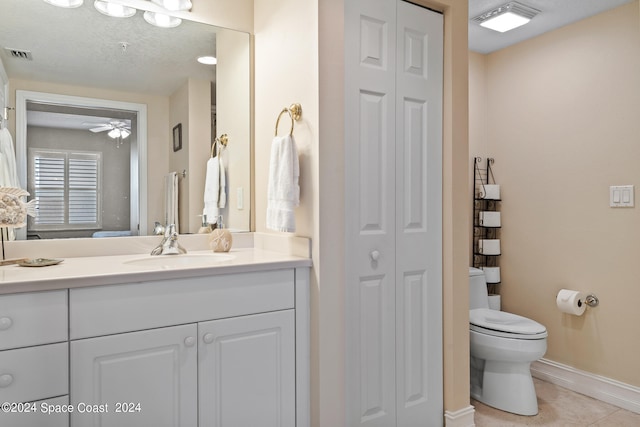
[(505, 323)]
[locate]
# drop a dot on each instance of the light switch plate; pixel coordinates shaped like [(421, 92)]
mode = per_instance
[(621, 196)]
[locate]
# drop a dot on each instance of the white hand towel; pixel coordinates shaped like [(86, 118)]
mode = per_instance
[(283, 191), (171, 199), (212, 189), (8, 160), (222, 195)]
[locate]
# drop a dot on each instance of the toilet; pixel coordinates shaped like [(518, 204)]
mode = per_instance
[(502, 345)]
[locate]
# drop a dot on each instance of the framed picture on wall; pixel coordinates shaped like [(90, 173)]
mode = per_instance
[(177, 137)]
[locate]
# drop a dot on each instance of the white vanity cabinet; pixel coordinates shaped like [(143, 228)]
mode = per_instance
[(246, 371), (225, 351), (34, 358)]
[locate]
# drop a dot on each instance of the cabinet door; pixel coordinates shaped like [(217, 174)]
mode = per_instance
[(156, 369), (246, 369)]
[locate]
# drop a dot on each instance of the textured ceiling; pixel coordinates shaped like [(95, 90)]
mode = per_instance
[(83, 47), (554, 14)]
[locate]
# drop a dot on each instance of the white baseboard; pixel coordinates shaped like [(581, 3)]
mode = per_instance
[(460, 418), (616, 393)]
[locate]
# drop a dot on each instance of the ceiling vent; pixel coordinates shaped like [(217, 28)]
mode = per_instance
[(19, 54)]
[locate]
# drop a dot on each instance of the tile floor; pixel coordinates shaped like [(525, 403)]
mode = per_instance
[(559, 407)]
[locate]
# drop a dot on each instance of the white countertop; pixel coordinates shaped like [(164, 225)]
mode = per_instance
[(75, 272)]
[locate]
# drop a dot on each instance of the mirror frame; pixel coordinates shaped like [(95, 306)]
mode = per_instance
[(138, 167)]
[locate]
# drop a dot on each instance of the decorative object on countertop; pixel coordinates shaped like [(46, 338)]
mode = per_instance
[(215, 183), (220, 239), (13, 211), (39, 262), (283, 190)]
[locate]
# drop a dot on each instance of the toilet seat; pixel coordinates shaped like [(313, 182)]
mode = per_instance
[(503, 324)]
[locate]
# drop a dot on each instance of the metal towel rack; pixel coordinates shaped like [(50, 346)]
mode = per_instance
[(222, 140), (295, 113)]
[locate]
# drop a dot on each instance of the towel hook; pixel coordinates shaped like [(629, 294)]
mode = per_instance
[(295, 112)]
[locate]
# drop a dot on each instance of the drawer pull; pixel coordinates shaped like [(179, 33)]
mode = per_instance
[(5, 323), (189, 341), (208, 338), (375, 255), (6, 380)]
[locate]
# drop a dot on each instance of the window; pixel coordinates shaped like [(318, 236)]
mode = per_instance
[(67, 189)]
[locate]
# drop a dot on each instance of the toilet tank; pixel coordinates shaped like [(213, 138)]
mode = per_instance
[(478, 295)]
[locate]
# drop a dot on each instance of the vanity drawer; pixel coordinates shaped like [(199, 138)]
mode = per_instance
[(34, 373), (115, 309), (38, 418), (32, 319)]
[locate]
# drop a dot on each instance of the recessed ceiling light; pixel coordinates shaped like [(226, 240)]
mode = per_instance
[(174, 5), (161, 20), (207, 60), (65, 3), (506, 17), (114, 10)]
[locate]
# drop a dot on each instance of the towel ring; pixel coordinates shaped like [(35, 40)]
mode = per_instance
[(222, 140), (295, 112)]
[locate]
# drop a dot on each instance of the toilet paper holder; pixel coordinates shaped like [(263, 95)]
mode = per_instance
[(591, 300)]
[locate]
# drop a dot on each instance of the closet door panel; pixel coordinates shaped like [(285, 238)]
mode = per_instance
[(418, 274), (370, 211)]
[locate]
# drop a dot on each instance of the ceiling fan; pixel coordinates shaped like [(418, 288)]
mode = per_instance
[(116, 128)]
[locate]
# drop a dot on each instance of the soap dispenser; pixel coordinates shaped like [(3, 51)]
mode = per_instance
[(205, 227), (220, 239)]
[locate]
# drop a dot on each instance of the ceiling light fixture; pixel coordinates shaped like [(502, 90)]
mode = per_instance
[(113, 9), (207, 60), (506, 17), (161, 20), (65, 3), (174, 5)]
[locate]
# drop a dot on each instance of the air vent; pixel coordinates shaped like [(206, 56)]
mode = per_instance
[(19, 54)]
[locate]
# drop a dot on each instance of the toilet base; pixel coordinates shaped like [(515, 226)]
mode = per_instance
[(508, 387)]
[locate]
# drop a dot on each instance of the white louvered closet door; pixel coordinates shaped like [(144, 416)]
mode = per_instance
[(393, 129)]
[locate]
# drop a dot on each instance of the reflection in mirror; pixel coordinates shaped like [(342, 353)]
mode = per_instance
[(80, 52)]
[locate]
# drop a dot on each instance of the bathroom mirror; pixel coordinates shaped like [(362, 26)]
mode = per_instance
[(82, 53)]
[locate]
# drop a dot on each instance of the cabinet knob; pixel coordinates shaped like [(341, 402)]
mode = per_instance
[(375, 255), (6, 380), (190, 341), (208, 338), (5, 323)]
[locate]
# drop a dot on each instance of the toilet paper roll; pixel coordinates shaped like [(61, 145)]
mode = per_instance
[(571, 302), (489, 219), (492, 274), (489, 191), (489, 246)]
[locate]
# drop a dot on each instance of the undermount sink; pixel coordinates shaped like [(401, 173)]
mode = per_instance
[(181, 261)]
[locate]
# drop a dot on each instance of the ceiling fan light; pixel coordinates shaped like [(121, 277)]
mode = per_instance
[(124, 133), (65, 3), (207, 60), (174, 5), (114, 133), (161, 20), (113, 9)]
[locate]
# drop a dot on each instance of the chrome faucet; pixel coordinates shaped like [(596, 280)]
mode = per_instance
[(169, 244)]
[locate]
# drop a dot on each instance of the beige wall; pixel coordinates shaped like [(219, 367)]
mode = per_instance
[(233, 103), (299, 58), (562, 124)]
